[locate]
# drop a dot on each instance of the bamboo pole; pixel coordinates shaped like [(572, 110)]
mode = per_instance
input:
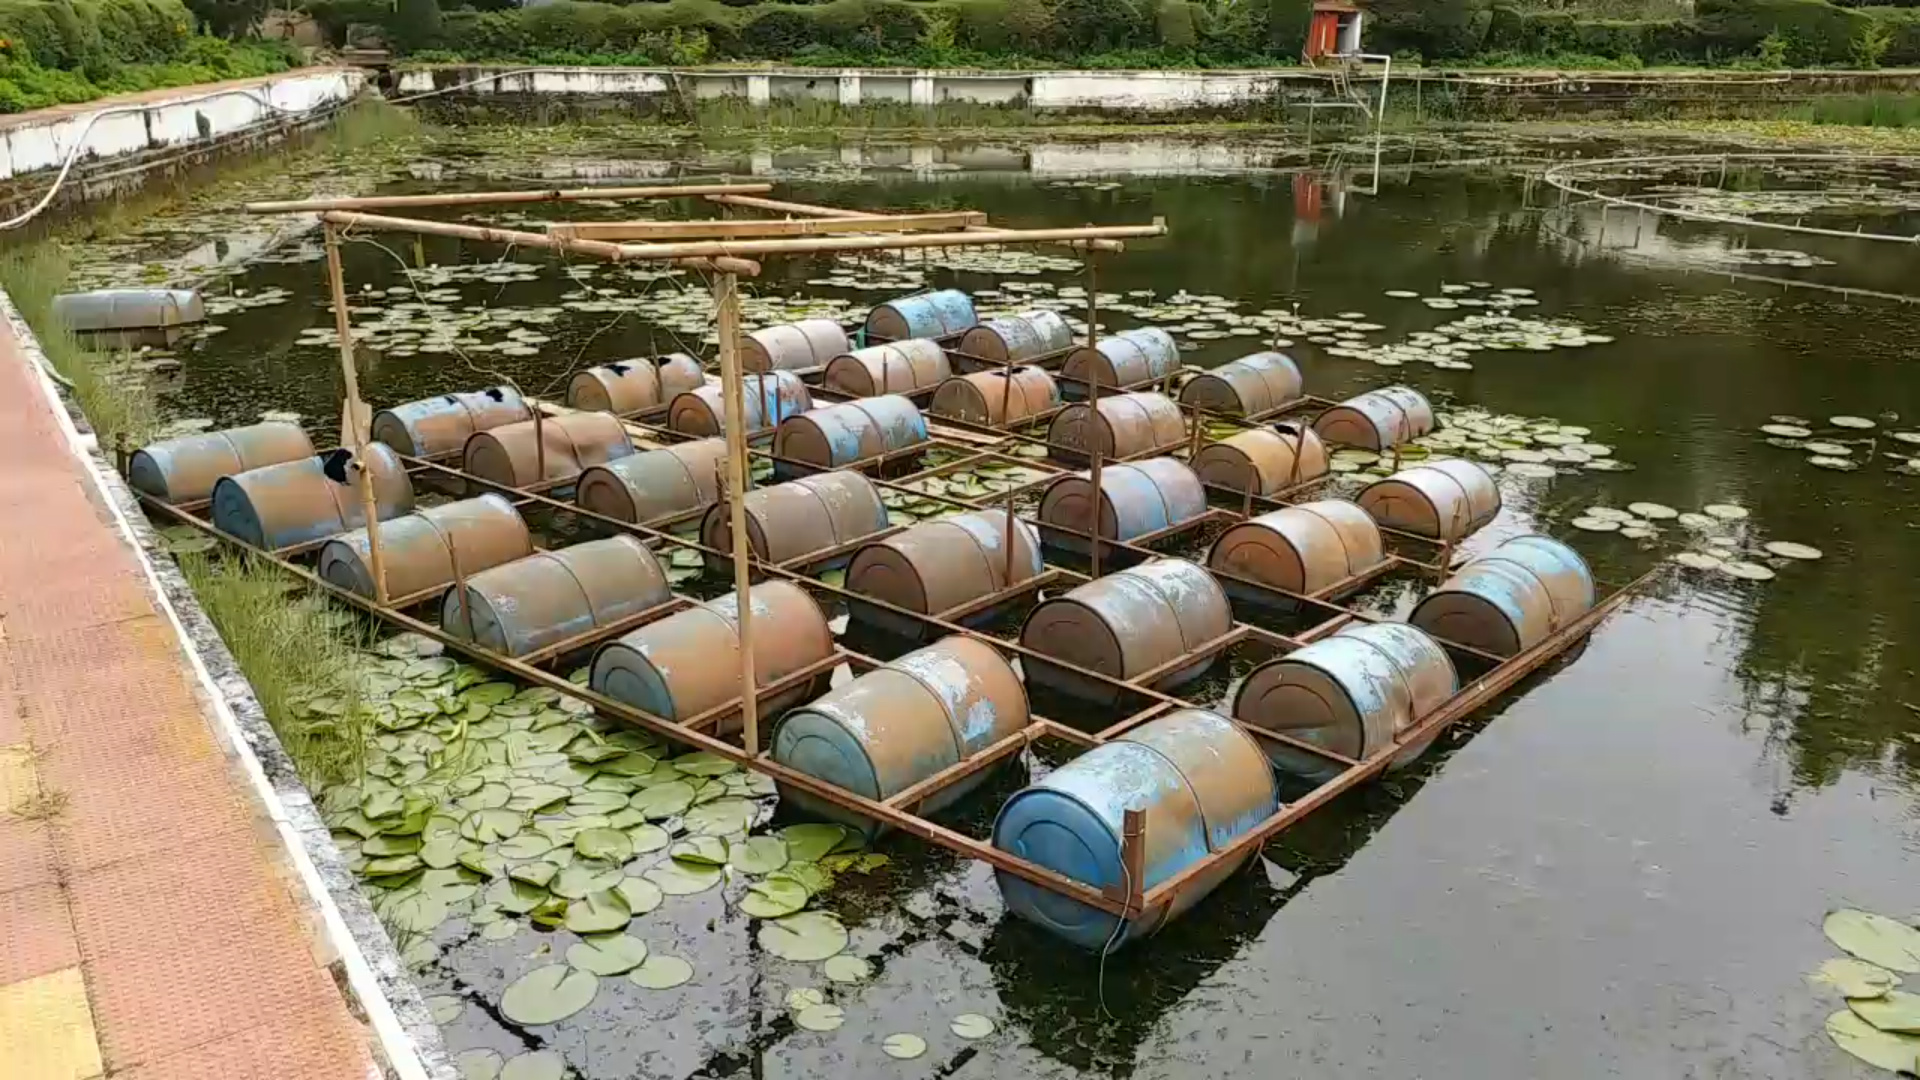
[(746, 227), (1006, 582), (539, 444), (1093, 413), (460, 585), (810, 245), (818, 211), (353, 416), (594, 248), (726, 290), (482, 198)]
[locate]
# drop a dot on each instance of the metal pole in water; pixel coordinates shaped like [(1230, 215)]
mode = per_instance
[(726, 294), (354, 413), (539, 443), (1093, 405)]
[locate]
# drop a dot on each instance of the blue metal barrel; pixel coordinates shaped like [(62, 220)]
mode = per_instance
[(1142, 618), (298, 502), (654, 484), (1511, 598), (1136, 498), (852, 431), (441, 425), (1254, 384), (185, 469), (1442, 500), (417, 550), (928, 315), (1128, 358), (767, 399), (550, 596)]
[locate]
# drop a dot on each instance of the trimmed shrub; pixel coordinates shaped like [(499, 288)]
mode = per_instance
[(1094, 26), (1287, 25), (1173, 26), (416, 24), (1436, 29), (1814, 31)]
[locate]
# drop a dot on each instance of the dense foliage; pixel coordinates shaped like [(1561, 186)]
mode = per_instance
[(55, 52)]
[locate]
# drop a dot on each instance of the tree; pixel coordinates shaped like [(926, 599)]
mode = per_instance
[(1287, 24), (416, 24), (228, 18)]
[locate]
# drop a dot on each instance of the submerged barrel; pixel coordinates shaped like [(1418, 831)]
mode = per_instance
[(800, 517), (900, 723), (441, 425), (851, 431), (928, 315), (1020, 338), (796, 346), (766, 399), (1353, 693), (417, 550), (985, 398), (629, 386), (1511, 598), (654, 484), (1137, 620), (185, 469), (129, 317), (550, 596), (1128, 358), (1444, 500), (298, 502), (1378, 419), (936, 566), (1119, 426), (689, 662), (1303, 548), (509, 455), (1136, 498), (900, 367), (1201, 783), (1265, 460), (1249, 386)]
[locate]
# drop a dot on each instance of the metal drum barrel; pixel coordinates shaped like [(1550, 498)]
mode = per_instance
[(1201, 782), (417, 549), (1352, 693), (1266, 460), (630, 386), (1128, 358), (1136, 498), (298, 502), (851, 431), (928, 315), (1511, 598), (1127, 425), (441, 425), (936, 566), (1126, 623), (900, 367), (185, 469), (1442, 500), (551, 596), (1303, 548), (128, 318), (1020, 338), (1378, 419), (766, 399), (797, 346), (689, 662), (900, 723), (654, 484), (1249, 386), (800, 517), (984, 397), (507, 455)]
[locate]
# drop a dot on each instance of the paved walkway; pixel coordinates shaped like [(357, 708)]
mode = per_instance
[(149, 928)]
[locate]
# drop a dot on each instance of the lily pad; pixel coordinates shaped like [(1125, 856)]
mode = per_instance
[(846, 969), (601, 912), (548, 995), (487, 826), (609, 844), (640, 894), (680, 879), (1786, 431), (527, 845), (1883, 1049), (822, 1018), (1699, 560), (1836, 464), (1653, 511), (804, 997), (1589, 524), (1875, 938), (538, 874), (1855, 978), (645, 838), (971, 1026), (578, 879), (607, 954), (904, 1046), (703, 763), (478, 1064), (536, 1065), (663, 800), (806, 938), (1725, 511), (1895, 1011), (1858, 423), (720, 817), (774, 899), (1787, 549), (812, 842), (812, 876), (700, 851), (661, 973), (759, 855), (1746, 571)]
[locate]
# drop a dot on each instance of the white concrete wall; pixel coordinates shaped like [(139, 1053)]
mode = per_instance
[(28, 145), (1149, 91)]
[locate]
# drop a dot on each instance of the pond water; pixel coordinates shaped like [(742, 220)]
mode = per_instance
[(1621, 871)]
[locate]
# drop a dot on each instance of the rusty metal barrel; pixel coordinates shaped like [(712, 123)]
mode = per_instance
[(508, 455), (936, 566), (689, 662), (900, 367), (766, 399), (1511, 598), (927, 315), (185, 469), (1199, 779), (1266, 460), (1136, 498), (796, 346), (900, 723), (298, 502), (1126, 425), (1128, 358), (1249, 386), (1140, 619), (1302, 548), (417, 550), (654, 484), (441, 425), (1378, 419), (850, 431), (800, 517), (984, 397), (1443, 500), (551, 596), (630, 386), (1352, 693), (1020, 338)]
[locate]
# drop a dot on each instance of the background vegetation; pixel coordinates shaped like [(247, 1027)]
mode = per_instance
[(57, 52)]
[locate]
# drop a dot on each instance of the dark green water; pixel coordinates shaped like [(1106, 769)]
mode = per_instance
[(1620, 872)]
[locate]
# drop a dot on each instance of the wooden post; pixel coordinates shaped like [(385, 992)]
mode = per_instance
[(370, 509), (353, 415), (1133, 859), (1193, 451), (460, 585), (419, 252), (1093, 411), (1246, 497), (539, 444), (1006, 582), (726, 294)]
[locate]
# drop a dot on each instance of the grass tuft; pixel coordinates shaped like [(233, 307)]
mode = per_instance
[(108, 388)]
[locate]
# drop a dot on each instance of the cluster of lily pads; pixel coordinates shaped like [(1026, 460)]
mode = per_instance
[(1881, 1023), (1720, 536), (1751, 256), (1532, 447), (1454, 294), (1833, 445)]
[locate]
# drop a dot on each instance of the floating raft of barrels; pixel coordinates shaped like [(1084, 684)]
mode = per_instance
[(1264, 460), (125, 318), (902, 722), (1128, 358), (654, 484), (1018, 339), (417, 550), (928, 315), (852, 431), (551, 596), (298, 502), (1136, 498), (1511, 598), (185, 469), (1140, 619), (631, 386), (801, 517), (1444, 500), (1377, 420), (766, 399), (1303, 548), (937, 566), (900, 367), (509, 455), (799, 346), (442, 425), (984, 397), (1119, 426), (1250, 386)]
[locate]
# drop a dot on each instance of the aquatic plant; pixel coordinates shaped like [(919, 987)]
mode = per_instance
[(107, 387)]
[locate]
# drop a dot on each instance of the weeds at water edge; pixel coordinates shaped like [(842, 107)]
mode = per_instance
[(111, 394)]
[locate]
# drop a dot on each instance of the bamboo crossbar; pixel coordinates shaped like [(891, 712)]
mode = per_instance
[(752, 227), (598, 249), (903, 241), (780, 206), (485, 198)]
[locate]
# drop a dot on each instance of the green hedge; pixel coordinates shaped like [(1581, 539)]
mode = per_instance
[(1559, 33), (94, 34)]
